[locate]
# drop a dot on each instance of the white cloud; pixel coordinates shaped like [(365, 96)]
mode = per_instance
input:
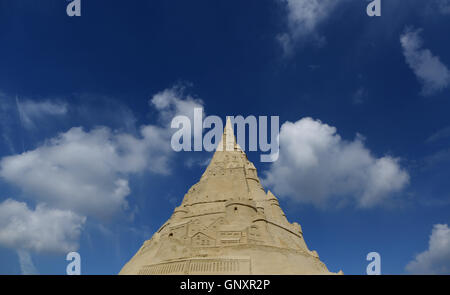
[(303, 19), (316, 166), (39, 230), (443, 6), (360, 95), (30, 111), (79, 174), (439, 135), (428, 68), (7, 113), (87, 171), (173, 102), (26, 263), (435, 260)]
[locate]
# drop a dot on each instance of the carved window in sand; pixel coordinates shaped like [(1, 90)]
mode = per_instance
[(254, 232), (202, 240), (215, 224)]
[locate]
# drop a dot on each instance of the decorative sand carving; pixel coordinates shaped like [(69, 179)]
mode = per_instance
[(227, 224)]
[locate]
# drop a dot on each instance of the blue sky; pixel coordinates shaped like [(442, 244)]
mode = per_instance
[(84, 156)]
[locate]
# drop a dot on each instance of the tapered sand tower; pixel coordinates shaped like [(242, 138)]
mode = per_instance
[(227, 224)]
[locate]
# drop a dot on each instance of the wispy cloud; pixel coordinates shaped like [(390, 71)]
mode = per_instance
[(360, 95), (428, 68), (32, 111), (440, 134), (172, 102), (303, 20), (8, 113), (443, 6), (441, 157), (26, 263)]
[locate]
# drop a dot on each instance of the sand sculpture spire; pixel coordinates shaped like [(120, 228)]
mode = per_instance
[(227, 224), (228, 140)]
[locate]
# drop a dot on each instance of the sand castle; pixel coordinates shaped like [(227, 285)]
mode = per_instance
[(227, 224)]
